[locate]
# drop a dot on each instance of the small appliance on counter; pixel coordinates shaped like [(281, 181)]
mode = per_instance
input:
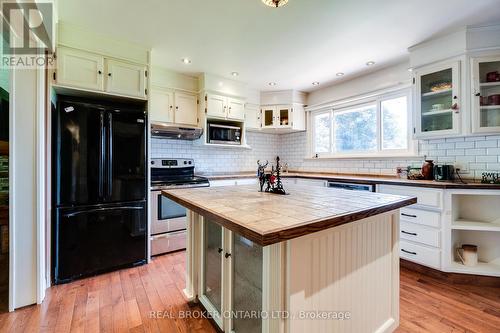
[(443, 173), (168, 219)]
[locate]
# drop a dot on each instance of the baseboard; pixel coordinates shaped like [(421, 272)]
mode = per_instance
[(454, 278)]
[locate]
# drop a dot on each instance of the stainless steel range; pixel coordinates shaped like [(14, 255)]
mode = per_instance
[(168, 219)]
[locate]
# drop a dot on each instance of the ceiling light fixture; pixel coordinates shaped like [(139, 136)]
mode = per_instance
[(275, 3), (316, 83), (370, 63), (340, 74), (187, 61), (410, 69), (235, 74), (272, 84)]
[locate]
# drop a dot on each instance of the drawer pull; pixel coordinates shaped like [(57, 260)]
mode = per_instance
[(220, 250), (409, 215), (409, 252), (409, 233)]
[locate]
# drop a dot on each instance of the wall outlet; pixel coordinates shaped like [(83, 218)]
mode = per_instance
[(462, 168)]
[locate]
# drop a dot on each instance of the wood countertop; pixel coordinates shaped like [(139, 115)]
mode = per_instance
[(267, 218), (364, 179)]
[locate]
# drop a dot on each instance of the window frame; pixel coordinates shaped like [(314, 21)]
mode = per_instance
[(360, 103)]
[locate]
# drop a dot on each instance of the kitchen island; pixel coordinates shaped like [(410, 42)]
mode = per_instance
[(317, 260)]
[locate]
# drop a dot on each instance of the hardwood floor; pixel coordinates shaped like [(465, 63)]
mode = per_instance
[(122, 302)]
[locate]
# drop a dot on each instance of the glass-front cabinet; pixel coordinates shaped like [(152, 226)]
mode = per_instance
[(232, 279), (268, 115), (279, 116), (486, 95), (438, 102)]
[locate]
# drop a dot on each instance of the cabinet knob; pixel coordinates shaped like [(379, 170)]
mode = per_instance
[(99, 72), (109, 74), (455, 97), (227, 255), (219, 250), (171, 106), (177, 108), (478, 94)]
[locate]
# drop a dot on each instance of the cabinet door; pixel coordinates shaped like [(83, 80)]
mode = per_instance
[(216, 105), (283, 116), (186, 109), (235, 109), (268, 116), (162, 106), (438, 102), (212, 271), (125, 79), (79, 69), (252, 117), (298, 117), (486, 95)]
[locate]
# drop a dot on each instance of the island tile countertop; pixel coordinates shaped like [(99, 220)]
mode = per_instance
[(363, 179), (267, 218)]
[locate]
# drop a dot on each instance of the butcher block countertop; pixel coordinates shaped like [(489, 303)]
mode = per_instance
[(364, 179), (267, 218)]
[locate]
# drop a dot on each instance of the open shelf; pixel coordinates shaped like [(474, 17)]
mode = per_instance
[(435, 113), (490, 84), (475, 225), (482, 268), (436, 93)]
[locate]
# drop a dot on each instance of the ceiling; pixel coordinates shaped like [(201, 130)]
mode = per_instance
[(295, 45)]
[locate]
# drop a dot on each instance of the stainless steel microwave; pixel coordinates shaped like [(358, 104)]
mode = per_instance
[(224, 134)]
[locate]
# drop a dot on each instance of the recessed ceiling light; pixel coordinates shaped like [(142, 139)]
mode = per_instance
[(316, 83), (187, 61), (275, 3), (272, 84), (235, 74), (370, 63), (410, 69), (340, 74)]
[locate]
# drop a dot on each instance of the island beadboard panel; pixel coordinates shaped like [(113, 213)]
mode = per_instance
[(267, 218), (479, 153)]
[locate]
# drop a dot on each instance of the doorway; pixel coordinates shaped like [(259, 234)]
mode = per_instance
[(4, 186)]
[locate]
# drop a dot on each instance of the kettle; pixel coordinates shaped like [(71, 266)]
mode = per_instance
[(444, 172)]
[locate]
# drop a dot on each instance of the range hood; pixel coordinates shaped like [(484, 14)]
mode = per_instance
[(175, 132)]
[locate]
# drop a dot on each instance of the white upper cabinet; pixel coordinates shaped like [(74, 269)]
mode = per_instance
[(186, 108), (216, 105), (438, 101), (252, 117), (125, 78), (80, 69), (486, 94), (174, 107), (235, 109), (224, 107), (161, 106), (86, 70), (285, 117)]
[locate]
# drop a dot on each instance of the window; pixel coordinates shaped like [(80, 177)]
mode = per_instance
[(378, 127)]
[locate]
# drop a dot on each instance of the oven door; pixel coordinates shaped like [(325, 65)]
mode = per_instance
[(166, 215)]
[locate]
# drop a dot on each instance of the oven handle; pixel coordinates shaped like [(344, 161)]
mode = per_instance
[(168, 234)]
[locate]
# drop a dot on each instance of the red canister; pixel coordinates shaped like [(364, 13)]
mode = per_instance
[(494, 99), (493, 76)]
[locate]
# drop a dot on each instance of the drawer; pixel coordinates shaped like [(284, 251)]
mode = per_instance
[(426, 197), (423, 217), (419, 234), (311, 182), (168, 242), (421, 254)]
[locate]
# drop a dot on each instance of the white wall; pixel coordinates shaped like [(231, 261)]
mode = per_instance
[(382, 79)]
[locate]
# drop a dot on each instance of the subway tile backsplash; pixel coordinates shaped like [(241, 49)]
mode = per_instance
[(476, 154)]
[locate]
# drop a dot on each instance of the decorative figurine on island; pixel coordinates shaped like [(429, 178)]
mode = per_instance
[(271, 180)]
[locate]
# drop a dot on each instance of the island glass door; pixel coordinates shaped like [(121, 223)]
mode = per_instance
[(246, 285), (212, 257), (438, 100), (486, 99)]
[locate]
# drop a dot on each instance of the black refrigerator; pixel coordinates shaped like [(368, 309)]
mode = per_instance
[(99, 187)]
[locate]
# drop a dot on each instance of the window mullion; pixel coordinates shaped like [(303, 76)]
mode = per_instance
[(332, 133)]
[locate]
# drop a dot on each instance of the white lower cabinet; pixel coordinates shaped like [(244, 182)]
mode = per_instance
[(420, 224), (231, 278)]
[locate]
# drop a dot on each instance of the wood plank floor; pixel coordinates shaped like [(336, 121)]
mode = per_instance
[(122, 301)]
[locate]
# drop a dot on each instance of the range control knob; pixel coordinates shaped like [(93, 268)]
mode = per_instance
[(185, 162), (190, 162)]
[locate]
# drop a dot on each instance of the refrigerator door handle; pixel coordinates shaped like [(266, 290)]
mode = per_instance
[(110, 156), (102, 147), (98, 210)]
